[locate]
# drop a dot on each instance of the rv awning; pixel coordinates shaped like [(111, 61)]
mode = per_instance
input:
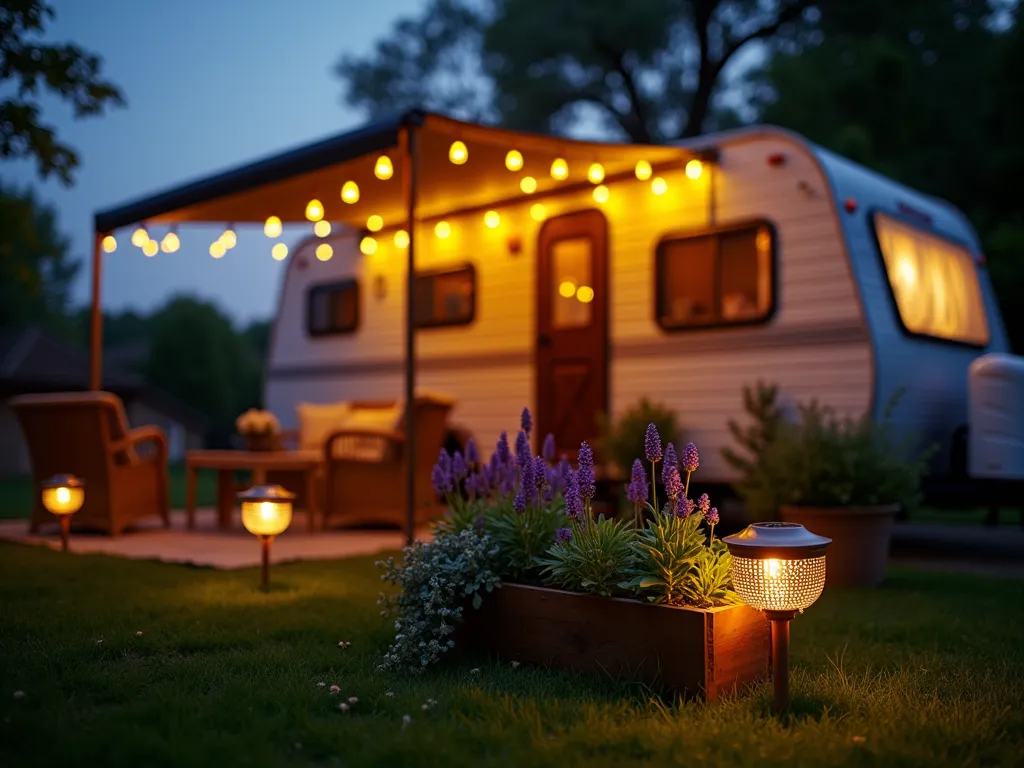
[(282, 185)]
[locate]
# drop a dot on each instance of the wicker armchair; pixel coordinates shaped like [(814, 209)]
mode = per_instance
[(368, 486), (87, 434)]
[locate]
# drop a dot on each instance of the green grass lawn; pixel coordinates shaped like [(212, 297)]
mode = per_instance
[(927, 670)]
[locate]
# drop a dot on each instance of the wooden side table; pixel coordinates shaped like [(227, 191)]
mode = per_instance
[(226, 463)]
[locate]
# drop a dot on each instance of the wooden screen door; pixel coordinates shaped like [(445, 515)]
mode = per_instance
[(572, 328)]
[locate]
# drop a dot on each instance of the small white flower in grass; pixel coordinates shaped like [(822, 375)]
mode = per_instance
[(431, 702), (406, 721), (425, 707), (100, 641), (335, 689), (139, 633), (19, 694), (343, 644), (321, 684), (475, 671), (343, 707), (389, 693), (515, 665), (353, 699)]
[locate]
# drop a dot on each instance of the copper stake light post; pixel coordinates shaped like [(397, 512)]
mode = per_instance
[(778, 568), (266, 513), (63, 495)]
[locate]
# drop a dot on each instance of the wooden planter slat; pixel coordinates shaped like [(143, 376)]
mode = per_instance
[(687, 651)]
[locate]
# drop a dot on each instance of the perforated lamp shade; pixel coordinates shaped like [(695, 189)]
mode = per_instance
[(63, 494), (266, 509)]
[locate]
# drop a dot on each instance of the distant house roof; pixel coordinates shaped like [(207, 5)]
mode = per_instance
[(33, 361)]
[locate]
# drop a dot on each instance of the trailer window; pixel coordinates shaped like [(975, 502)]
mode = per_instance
[(717, 278), (446, 297), (332, 308), (934, 283)]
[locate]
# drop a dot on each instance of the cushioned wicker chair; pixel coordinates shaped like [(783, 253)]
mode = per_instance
[(364, 468), (86, 434)]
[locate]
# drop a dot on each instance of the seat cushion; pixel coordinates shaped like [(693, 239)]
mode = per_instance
[(369, 448), (318, 420)]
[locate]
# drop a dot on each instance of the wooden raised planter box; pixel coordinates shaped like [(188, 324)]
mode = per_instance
[(687, 651)]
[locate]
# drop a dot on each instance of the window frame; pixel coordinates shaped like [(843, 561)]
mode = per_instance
[(330, 287), (716, 232), (930, 230), (451, 270)]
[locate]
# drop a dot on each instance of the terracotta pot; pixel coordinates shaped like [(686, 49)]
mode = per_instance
[(262, 442), (860, 537)]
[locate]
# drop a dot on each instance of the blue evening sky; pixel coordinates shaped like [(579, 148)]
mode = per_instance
[(210, 84)]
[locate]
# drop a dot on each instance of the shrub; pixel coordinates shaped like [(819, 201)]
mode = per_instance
[(591, 556), (761, 405), (621, 439)]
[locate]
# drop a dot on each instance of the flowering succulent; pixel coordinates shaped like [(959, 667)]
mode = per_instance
[(585, 478), (548, 451), (526, 421), (652, 444)]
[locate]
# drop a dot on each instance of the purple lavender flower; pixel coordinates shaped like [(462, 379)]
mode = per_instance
[(636, 491), (703, 504), (671, 462), (526, 421), (479, 521), (548, 451), (585, 472), (685, 508), (673, 483), (459, 468), (441, 475), (573, 502), (540, 471), (562, 473), (563, 535), (691, 459), (502, 451), (652, 444), (472, 454), (519, 502), (527, 481), (712, 516)]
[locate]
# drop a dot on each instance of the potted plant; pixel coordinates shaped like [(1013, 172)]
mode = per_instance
[(260, 430), (842, 477)]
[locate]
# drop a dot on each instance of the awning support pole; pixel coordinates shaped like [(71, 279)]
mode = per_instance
[(409, 182), (96, 317)]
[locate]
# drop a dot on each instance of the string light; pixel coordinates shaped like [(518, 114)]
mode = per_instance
[(279, 252), (229, 239), (567, 289), (585, 294), (322, 228), (324, 251), (442, 229), (600, 193), (643, 170), (272, 227), (528, 184), (368, 246), (217, 249), (458, 153), (559, 169), (401, 239), (694, 169), (383, 169), (538, 212), (109, 244), (492, 219), (514, 160), (140, 237), (350, 192), (658, 186), (150, 248), (375, 223), (595, 173), (170, 243), (314, 210)]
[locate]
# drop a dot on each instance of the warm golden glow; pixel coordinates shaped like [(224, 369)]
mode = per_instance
[(368, 245), (140, 237), (442, 229), (279, 252), (314, 210), (567, 289), (109, 244), (217, 249), (383, 169), (601, 193), (150, 248), (528, 184), (643, 170), (694, 169), (514, 160), (322, 228), (778, 585), (658, 186), (595, 173), (559, 169), (350, 192), (266, 518), (585, 294), (458, 153), (272, 227), (63, 500), (324, 252), (935, 283), (401, 239), (492, 219), (538, 212), (170, 243), (375, 223), (228, 238)]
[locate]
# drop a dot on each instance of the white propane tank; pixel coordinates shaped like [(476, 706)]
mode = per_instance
[(995, 413)]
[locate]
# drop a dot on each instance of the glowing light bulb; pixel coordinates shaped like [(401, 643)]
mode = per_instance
[(559, 169), (63, 495), (595, 173), (150, 248), (383, 169), (514, 160), (350, 192), (694, 169), (492, 219), (322, 228), (109, 244), (229, 239), (585, 294), (272, 227), (442, 229), (368, 246), (314, 210), (217, 249), (538, 212), (772, 568), (528, 184), (140, 237), (601, 193), (658, 186), (643, 170), (324, 252), (567, 289), (458, 153), (401, 239), (374, 223), (170, 243), (279, 252)]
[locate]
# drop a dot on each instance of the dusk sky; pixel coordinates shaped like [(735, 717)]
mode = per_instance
[(210, 84)]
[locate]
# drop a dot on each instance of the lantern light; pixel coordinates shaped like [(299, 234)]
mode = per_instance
[(170, 243), (383, 169), (601, 193), (140, 237), (217, 249), (458, 153), (595, 173), (266, 513), (492, 219), (368, 246), (585, 294), (538, 212), (314, 210), (324, 252), (528, 184), (442, 229), (694, 169), (279, 252), (375, 223), (514, 160), (109, 244), (658, 185), (150, 248), (567, 289), (559, 169), (322, 228), (350, 192), (228, 237), (63, 496), (401, 239), (272, 227), (643, 170), (778, 568)]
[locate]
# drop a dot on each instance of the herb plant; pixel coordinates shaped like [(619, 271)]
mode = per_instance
[(593, 556)]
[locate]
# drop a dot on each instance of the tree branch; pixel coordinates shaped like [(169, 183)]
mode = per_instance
[(786, 15), (639, 132)]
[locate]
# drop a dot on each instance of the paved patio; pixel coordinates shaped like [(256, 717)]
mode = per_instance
[(209, 547)]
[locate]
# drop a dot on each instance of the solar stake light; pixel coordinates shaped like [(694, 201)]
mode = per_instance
[(266, 513), (778, 568), (63, 495)]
